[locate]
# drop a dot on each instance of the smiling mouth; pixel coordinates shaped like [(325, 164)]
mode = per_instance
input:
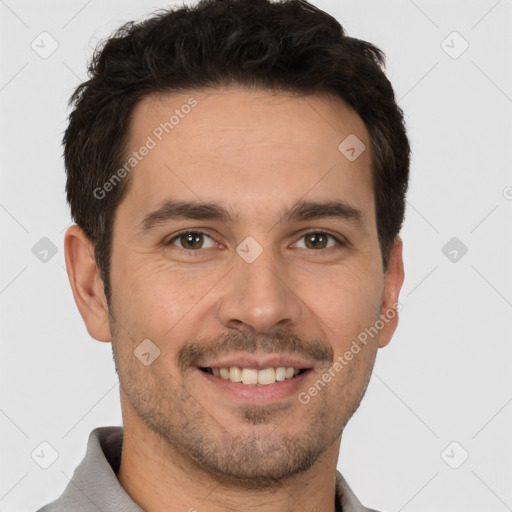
[(253, 376)]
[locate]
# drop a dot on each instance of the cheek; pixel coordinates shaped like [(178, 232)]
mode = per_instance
[(347, 301), (158, 299)]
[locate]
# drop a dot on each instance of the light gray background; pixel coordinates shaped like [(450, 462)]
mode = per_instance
[(446, 374)]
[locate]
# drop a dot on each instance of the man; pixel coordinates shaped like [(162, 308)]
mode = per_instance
[(237, 173)]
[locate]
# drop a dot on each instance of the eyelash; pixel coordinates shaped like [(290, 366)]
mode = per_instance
[(195, 231)]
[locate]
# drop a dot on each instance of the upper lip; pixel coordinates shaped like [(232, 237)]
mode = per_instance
[(259, 363)]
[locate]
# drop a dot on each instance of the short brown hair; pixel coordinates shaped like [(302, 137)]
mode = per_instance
[(289, 45)]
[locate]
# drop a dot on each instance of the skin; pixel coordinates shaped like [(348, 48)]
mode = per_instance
[(186, 444)]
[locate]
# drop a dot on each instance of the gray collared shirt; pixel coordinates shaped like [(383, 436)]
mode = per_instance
[(94, 486)]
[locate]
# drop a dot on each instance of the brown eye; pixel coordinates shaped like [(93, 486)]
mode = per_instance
[(316, 240), (319, 240), (190, 240)]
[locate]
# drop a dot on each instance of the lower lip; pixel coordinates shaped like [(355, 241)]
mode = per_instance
[(256, 393)]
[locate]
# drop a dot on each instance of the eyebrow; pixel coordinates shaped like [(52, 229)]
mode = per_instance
[(300, 211)]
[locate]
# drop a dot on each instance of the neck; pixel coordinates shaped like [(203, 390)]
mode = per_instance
[(159, 478)]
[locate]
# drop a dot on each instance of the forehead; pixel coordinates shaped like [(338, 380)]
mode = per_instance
[(246, 148)]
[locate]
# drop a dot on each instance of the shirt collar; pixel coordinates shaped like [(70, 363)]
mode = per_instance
[(94, 485)]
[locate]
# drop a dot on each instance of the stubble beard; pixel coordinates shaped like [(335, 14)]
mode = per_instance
[(260, 458)]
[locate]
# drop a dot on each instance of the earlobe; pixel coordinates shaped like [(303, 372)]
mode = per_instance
[(394, 279), (86, 283)]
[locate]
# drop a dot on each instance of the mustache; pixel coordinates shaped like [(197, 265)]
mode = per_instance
[(193, 352)]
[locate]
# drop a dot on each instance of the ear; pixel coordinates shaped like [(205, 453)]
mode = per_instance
[(393, 281), (86, 283)]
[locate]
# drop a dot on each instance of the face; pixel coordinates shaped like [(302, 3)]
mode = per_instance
[(280, 268)]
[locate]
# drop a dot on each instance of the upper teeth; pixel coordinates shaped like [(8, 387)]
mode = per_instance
[(253, 376)]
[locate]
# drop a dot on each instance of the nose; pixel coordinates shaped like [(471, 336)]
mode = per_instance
[(259, 297)]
